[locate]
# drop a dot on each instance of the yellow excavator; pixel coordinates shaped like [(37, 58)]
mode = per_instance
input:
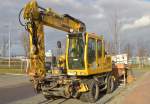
[(88, 68)]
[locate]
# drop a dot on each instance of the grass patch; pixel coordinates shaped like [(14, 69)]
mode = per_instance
[(16, 71), (141, 69)]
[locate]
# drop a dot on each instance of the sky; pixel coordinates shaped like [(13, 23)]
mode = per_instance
[(98, 15)]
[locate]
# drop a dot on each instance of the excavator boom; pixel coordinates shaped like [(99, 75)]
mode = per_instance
[(50, 18), (35, 18)]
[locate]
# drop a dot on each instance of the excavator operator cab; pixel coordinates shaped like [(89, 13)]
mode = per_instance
[(85, 54), (76, 51)]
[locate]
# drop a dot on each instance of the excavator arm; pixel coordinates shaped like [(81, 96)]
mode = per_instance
[(35, 18), (50, 18)]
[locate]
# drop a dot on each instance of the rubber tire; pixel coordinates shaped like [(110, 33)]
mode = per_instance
[(88, 96), (110, 84), (47, 97)]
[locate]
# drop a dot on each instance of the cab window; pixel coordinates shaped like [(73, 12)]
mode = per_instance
[(92, 52), (99, 48)]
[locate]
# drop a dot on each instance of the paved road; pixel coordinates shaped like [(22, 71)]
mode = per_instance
[(18, 90), (13, 88)]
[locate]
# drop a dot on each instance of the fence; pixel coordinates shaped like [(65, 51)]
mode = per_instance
[(140, 62), (18, 65)]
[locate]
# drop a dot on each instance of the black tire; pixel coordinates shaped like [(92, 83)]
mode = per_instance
[(110, 84), (47, 97), (93, 94)]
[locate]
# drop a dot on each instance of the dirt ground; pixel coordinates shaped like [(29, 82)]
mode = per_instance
[(136, 93), (141, 93)]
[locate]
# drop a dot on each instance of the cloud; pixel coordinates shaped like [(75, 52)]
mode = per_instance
[(94, 13), (141, 22)]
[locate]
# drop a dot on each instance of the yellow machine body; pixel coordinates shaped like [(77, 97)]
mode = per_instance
[(101, 62), (85, 64)]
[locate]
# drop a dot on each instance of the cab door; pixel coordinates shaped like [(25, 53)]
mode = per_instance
[(92, 54), (99, 54)]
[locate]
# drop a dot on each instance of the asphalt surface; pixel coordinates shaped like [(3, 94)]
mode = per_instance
[(16, 89)]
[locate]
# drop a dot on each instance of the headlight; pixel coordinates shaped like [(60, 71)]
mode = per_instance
[(82, 73), (72, 73), (75, 59)]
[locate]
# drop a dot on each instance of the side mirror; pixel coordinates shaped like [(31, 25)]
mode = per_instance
[(59, 44), (106, 53)]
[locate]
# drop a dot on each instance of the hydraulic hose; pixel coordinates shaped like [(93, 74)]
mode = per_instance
[(20, 17)]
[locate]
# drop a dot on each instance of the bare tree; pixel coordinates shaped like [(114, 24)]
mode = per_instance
[(24, 38), (115, 29), (141, 52), (128, 50), (109, 47), (4, 46)]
